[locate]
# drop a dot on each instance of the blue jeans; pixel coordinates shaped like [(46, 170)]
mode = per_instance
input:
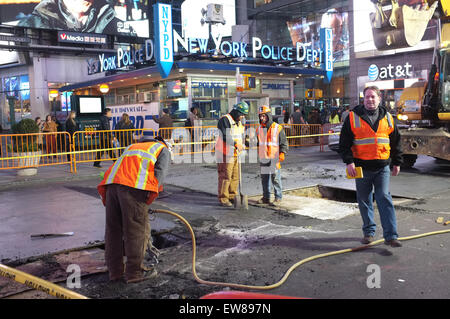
[(378, 180), (267, 181)]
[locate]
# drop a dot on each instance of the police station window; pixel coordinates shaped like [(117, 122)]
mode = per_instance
[(209, 88)]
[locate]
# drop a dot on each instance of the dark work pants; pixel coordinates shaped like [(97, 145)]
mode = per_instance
[(127, 226)]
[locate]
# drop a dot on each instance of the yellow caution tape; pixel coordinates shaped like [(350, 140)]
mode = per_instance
[(38, 283)]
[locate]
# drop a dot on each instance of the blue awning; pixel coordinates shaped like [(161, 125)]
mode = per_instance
[(190, 65)]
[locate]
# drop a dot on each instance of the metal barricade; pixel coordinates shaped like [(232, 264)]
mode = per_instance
[(34, 150), (91, 146), (303, 134), (190, 140)]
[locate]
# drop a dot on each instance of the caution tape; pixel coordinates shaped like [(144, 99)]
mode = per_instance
[(38, 283)]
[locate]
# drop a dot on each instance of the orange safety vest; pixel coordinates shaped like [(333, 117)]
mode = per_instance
[(237, 130), (370, 145), (268, 140), (136, 169)]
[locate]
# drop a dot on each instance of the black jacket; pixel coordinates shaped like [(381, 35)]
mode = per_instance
[(223, 124), (71, 127), (347, 137)]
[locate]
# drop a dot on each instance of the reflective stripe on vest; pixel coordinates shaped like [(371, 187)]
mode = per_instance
[(269, 142), (146, 158), (370, 145), (236, 132)]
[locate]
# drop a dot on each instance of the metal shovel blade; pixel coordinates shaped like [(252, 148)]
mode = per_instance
[(244, 202), (237, 202)]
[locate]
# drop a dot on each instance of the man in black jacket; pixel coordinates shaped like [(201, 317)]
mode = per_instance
[(105, 138), (370, 139)]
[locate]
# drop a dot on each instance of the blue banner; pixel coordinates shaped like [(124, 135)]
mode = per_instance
[(163, 38)]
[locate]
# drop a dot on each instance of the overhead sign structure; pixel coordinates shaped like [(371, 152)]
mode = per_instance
[(163, 38)]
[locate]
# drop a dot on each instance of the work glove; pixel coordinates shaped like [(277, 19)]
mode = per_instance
[(239, 147), (281, 158)]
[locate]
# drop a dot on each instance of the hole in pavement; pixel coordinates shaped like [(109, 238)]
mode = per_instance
[(325, 192), (165, 240), (330, 193)]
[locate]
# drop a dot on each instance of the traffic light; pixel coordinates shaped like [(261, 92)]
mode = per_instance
[(313, 94)]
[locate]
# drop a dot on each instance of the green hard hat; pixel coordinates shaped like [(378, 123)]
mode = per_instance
[(241, 107)]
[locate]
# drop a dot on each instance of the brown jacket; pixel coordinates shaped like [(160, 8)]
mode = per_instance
[(164, 121), (50, 127)]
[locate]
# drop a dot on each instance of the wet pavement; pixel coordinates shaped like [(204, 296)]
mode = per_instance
[(253, 247)]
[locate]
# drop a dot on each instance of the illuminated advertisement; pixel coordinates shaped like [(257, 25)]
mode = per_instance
[(113, 17), (202, 17), (306, 29), (391, 26)]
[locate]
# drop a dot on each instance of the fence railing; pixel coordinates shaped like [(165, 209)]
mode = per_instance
[(32, 150), (45, 149)]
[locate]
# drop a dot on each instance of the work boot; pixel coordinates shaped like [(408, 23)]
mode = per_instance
[(263, 200), (146, 274), (226, 204), (393, 243), (277, 202), (367, 240)]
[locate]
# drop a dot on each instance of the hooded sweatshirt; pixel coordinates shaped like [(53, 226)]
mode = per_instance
[(282, 140), (347, 137)]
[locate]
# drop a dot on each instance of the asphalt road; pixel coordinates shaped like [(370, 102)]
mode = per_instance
[(253, 247)]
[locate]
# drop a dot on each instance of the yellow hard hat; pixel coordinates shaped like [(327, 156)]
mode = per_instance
[(264, 109)]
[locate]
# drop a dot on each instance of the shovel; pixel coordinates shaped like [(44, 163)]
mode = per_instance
[(241, 200)]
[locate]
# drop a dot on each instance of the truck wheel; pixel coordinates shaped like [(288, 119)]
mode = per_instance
[(409, 160)]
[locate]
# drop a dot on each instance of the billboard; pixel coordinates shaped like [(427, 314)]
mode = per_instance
[(387, 27), (198, 17), (307, 30), (112, 17)]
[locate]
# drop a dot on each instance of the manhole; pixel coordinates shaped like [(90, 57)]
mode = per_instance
[(325, 192), (321, 202)]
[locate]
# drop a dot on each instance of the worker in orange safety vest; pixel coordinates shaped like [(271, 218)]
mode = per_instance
[(272, 149), (128, 188), (370, 139)]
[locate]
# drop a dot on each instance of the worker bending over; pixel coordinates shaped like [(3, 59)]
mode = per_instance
[(127, 190)]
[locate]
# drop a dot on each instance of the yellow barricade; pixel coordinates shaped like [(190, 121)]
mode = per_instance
[(91, 146), (303, 134), (190, 140), (34, 150)]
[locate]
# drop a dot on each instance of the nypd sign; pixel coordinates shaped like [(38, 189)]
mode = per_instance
[(163, 38)]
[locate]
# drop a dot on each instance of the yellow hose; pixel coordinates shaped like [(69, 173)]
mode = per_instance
[(38, 283), (60, 292), (292, 268)]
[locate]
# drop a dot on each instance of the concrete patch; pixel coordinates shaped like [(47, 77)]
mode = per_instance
[(319, 208)]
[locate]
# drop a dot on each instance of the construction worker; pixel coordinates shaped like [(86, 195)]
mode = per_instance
[(229, 145), (128, 188), (370, 139), (272, 149)]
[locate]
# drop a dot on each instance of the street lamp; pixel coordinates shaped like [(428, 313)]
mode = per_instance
[(53, 94), (104, 88)]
